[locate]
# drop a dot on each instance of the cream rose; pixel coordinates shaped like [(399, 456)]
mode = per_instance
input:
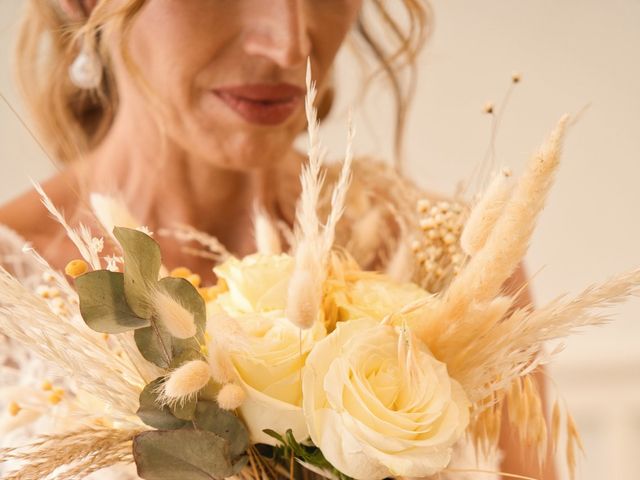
[(257, 283), (379, 405), (375, 298), (270, 359)]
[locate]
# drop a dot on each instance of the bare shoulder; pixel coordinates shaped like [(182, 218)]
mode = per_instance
[(27, 216)]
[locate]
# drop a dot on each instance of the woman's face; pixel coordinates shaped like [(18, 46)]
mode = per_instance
[(231, 73)]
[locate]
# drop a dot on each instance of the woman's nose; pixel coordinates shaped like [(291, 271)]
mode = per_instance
[(278, 30)]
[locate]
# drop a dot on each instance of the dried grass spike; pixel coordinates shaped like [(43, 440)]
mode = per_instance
[(231, 396), (485, 214), (185, 382)]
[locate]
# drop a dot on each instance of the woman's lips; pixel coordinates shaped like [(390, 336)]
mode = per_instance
[(262, 104)]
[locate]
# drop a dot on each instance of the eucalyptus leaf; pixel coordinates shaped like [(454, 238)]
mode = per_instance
[(184, 455), (141, 268), (152, 413), (180, 358), (103, 305), (185, 410), (155, 344), (209, 416)]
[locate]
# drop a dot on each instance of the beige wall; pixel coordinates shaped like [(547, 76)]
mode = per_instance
[(571, 53)]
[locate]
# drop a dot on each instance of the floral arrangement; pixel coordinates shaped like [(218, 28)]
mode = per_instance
[(297, 362)]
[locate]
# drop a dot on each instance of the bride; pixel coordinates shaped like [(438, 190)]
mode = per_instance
[(189, 110)]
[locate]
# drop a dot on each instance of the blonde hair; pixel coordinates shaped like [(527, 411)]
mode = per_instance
[(71, 121)]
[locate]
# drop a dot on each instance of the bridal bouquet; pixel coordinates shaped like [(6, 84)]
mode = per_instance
[(298, 362)]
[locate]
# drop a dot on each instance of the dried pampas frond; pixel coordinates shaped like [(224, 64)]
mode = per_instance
[(485, 214), (72, 455), (313, 243), (266, 233), (304, 296), (29, 320), (502, 355), (82, 240), (184, 233), (486, 272)]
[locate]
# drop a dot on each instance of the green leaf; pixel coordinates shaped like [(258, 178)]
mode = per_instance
[(103, 305), (141, 268), (209, 416), (307, 453), (185, 410), (155, 344), (184, 454), (274, 434), (152, 413), (186, 295)]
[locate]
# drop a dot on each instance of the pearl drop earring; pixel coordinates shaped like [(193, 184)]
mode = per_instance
[(86, 70)]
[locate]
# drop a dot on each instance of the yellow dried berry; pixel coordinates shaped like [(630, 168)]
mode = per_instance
[(204, 350), (180, 272), (46, 386), (56, 396), (75, 268), (194, 279), (14, 409)]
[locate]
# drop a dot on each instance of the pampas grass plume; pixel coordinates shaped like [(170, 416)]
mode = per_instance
[(486, 213), (231, 396), (186, 381), (267, 235), (178, 320), (508, 241)]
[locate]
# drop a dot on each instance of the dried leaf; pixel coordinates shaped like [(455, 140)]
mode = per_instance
[(142, 266), (155, 344), (209, 416), (182, 454), (152, 413), (103, 305)]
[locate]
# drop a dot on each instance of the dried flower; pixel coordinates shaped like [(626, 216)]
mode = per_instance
[(185, 382), (231, 396), (178, 320), (75, 268)]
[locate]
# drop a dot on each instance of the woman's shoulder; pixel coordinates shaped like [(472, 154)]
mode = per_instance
[(25, 217)]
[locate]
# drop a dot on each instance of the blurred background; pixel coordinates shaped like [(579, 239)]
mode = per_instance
[(570, 54)]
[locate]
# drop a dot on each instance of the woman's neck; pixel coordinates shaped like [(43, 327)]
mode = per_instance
[(163, 186)]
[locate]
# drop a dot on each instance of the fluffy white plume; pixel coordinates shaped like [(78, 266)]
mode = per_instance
[(185, 382), (485, 214), (314, 243), (231, 396), (266, 233), (178, 320), (505, 246)]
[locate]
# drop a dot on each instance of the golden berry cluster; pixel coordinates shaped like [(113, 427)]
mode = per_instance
[(437, 249)]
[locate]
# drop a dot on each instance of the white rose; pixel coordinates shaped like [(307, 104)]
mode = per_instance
[(270, 369), (257, 283), (375, 297), (378, 408), (269, 360)]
